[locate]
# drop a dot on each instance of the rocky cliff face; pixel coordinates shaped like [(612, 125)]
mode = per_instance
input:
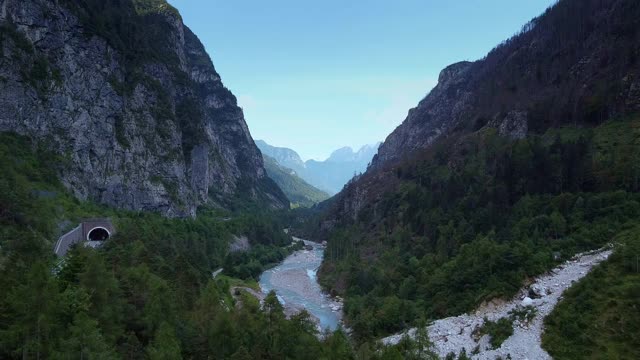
[(578, 63), (127, 95)]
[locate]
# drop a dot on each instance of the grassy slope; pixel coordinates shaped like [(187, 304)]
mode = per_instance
[(599, 318), (299, 192)]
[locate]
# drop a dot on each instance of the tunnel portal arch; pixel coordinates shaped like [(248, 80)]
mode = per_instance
[(98, 233)]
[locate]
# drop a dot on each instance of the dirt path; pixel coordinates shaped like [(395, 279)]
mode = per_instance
[(452, 334)]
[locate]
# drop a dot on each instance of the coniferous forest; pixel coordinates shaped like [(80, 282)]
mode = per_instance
[(508, 168), (496, 225), (148, 293)]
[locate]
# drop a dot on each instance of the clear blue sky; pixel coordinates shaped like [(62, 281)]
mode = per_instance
[(318, 75)]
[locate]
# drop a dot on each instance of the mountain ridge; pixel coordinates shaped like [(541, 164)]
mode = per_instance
[(364, 153), (133, 101), (329, 175), (601, 84), (528, 81), (298, 191), (509, 161), (284, 156)]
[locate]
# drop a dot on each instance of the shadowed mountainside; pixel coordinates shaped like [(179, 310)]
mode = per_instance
[(529, 152)]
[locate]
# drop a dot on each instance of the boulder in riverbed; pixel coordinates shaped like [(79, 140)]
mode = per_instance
[(537, 291)]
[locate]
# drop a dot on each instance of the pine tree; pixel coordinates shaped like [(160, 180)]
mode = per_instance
[(165, 345), (32, 309), (241, 354), (84, 341), (106, 300), (131, 348), (424, 346), (337, 346), (275, 317)]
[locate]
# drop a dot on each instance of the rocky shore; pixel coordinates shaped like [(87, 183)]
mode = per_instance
[(453, 334)]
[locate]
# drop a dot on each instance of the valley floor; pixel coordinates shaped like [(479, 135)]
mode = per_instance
[(294, 280), (453, 334)]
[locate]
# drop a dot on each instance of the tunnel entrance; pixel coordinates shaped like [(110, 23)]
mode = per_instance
[(92, 232), (98, 234)]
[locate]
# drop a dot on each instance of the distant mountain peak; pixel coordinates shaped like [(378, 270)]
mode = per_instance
[(329, 175), (347, 154), (298, 191), (283, 156), (341, 155)]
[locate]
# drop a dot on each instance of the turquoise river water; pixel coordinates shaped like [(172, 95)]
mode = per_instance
[(295, 282)]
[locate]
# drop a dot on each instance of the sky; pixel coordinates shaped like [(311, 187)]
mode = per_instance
[(318, 75)]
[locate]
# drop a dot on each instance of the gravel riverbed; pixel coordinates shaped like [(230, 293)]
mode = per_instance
[(452, 334)]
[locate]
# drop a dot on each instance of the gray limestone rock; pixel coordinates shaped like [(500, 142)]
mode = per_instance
[(168, 138)]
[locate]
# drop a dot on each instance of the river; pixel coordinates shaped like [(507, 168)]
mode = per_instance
[(295, 282)]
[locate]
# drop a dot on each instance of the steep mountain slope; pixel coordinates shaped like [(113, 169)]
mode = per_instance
[(575, 64), (127, 94), (299, 192), (510, 164), (284, 156), (330, 175)]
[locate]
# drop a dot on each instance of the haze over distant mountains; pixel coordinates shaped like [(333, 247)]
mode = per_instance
[(298, 191), (329, 175)]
